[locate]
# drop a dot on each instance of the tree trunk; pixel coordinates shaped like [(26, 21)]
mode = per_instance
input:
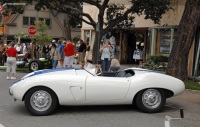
[(178, 60), (95, 54), (98, 36), (68, 27)]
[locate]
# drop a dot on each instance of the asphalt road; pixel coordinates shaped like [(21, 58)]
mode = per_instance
[(14, 114)]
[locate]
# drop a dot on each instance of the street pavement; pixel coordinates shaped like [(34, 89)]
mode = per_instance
[(14, 114)]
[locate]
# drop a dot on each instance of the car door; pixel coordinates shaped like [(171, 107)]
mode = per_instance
[(106, 88)]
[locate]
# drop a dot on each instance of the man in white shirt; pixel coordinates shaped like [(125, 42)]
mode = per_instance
[(18, 47)]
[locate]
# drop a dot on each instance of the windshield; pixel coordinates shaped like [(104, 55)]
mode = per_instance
[(90, 68)]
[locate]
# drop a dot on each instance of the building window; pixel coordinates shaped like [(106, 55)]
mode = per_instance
[(41, 19), (28, 21), (32, 20), (25, 20), (165, 41), (47, 21)]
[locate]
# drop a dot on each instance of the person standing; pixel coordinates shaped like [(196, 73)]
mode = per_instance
[(81, 53), (18, 47), (46, 49), (87, 51), (55, 56), (4, 57), (36, 51), (61, 52), (105, 56), (28, 50), (69, 54), (11, 61), (2, 50)]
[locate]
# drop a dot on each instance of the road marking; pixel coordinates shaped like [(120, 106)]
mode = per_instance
[(1, 125)]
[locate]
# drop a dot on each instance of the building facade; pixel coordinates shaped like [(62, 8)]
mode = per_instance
[(154, 38), (19, 23)]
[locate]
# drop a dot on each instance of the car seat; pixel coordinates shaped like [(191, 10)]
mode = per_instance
[(128, 75), (121, 74)]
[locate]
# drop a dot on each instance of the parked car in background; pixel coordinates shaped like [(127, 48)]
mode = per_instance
[(33, 64)]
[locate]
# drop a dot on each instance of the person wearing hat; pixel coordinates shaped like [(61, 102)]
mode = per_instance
[(11, 61), (55, 56)]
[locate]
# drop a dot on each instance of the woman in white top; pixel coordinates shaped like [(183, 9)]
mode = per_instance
[(54, 56), (105, 56)]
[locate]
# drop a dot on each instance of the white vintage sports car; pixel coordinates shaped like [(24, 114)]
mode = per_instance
[(43, 90)]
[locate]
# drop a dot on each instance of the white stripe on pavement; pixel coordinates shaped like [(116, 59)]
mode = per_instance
[(1, 125)]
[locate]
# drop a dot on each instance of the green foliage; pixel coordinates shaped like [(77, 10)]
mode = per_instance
[(22, 35), (157, 62), (152, 9), (41, 36), (192, 85), (115, 11), (12, 9), (76, 39), (40, 26)]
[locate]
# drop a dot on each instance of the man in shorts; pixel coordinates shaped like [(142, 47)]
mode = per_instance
[(81, 53), (69, 54)]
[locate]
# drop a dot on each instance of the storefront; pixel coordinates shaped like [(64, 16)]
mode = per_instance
[(162, 39), (125, 42)]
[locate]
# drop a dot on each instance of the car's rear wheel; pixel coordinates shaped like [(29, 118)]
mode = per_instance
[(35, 65), (40, 101), (151, 100)]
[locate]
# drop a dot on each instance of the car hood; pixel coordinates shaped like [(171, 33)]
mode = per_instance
[(51, 71)]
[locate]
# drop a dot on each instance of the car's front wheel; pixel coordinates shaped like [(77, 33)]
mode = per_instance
[(151, 100), (40, 101)]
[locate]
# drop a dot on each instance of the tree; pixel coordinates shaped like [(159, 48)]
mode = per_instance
[(42, 36), (178, 60), (153, 9)]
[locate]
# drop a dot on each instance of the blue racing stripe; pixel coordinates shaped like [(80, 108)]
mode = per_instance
[(49, 71)]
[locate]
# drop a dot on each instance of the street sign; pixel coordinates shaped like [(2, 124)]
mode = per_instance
[(31, 30)]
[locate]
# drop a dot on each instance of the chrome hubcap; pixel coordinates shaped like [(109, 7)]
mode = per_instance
[(41, 100), (151, 98), (34, 66)]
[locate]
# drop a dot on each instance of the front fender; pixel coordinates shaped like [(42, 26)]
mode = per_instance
[(60, 84)]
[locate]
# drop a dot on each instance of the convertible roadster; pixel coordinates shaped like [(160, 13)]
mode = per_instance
[(43, 90)]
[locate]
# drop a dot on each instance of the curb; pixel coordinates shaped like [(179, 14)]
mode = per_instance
[(192, 90)]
